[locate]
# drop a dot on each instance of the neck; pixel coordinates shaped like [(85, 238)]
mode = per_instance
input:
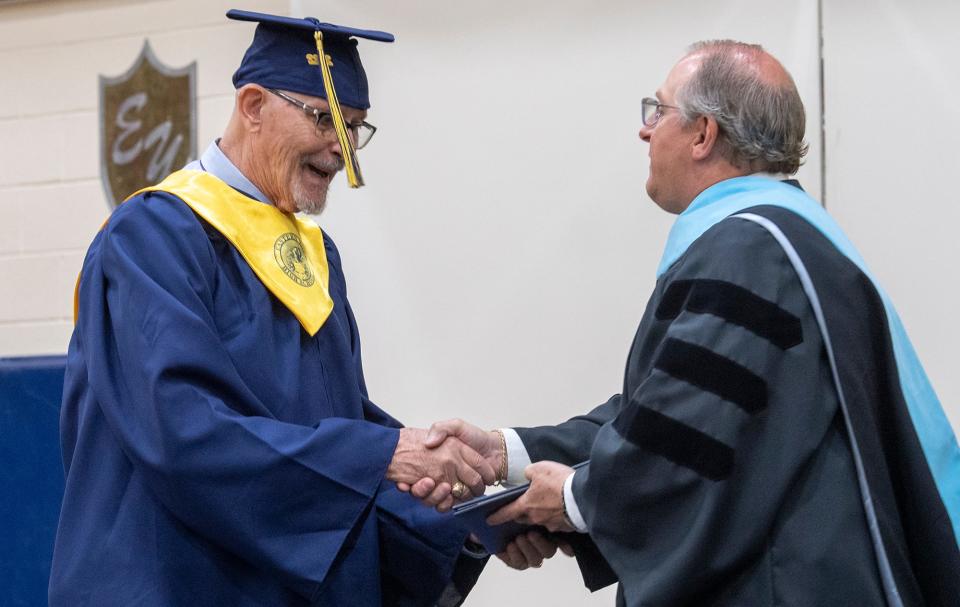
[(237, 146), (709, 176), (234, 147)]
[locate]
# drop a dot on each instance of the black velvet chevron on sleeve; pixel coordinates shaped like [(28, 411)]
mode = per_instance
[(676, 441), (714, 373), (685, 446), (734, 304)]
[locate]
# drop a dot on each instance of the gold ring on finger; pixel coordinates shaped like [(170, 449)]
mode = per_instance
[(458, 490)]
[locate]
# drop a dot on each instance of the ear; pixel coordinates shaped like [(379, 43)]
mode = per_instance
[(706, 131), (250, 101)]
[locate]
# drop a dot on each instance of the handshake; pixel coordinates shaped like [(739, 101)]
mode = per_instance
[(452, 462)]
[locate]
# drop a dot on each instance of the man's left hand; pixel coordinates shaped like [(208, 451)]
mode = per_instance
[(542, 504), (530, 549)]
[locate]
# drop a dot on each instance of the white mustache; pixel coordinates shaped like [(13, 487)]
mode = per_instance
[(329, 166)]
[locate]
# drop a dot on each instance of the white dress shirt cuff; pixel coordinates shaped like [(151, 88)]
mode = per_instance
[(517, 458), (573, 512)]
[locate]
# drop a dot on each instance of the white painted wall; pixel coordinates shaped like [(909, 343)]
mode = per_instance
[(51, 199), (892, 86)]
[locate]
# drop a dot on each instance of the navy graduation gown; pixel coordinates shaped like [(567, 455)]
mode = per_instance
[(215, 453)]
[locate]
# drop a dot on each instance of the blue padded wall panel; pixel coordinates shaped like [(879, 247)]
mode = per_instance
[(31, 475)]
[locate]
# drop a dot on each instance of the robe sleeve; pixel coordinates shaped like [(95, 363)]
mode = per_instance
[(686, 482), (568, 443), (419, 550), (281, 496)]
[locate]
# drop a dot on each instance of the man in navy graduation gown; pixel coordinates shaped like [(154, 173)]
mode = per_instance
[(218, 441), (775, 441)]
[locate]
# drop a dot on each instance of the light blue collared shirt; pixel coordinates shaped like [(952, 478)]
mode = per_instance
[(215, 162)]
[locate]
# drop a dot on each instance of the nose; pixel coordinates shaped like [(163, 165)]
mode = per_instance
[(645, 132), (334, 145)]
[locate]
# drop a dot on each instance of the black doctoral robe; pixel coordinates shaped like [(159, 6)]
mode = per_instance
[(723, 473)]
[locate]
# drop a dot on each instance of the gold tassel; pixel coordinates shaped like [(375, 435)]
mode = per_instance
[(354, 177)]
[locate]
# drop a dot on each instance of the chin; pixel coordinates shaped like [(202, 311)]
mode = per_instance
[(670, 206), (311, 204), (312, 207), (654, 196)]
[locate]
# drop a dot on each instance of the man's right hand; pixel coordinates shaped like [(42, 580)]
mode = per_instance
[(488, 444), (437, 468)]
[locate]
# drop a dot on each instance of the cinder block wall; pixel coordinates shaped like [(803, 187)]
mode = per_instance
[(51, 198)]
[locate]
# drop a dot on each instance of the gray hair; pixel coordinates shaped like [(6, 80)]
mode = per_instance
[(761, 123)]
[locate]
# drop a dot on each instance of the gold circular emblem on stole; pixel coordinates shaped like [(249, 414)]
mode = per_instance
[(288, 250)]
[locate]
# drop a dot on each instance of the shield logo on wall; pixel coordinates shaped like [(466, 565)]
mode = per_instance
[(148, 124)]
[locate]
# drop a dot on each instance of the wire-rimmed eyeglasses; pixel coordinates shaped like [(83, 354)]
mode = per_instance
[(652, 110), (360, 133)]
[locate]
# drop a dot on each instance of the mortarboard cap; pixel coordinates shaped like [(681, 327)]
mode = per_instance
[(285, 54)]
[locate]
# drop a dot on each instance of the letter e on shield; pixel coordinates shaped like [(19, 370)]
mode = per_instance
[(148, 124)]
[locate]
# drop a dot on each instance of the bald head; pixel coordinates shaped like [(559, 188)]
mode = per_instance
[(750, 57), (754, 101)]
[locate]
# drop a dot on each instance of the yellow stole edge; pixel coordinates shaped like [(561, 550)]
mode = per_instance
[(217, 203)]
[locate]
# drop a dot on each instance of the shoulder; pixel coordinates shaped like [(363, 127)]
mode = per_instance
[(736, 237), (157, 210), (734, 249), (158, 226), (736, 269)]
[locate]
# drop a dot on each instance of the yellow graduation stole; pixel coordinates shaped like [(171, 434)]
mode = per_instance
[(284, 251)]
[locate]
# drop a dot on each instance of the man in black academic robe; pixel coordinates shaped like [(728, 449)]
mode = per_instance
[(775, 441)]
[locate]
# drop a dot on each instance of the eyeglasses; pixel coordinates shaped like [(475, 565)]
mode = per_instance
[(360, 133), (653, 110)]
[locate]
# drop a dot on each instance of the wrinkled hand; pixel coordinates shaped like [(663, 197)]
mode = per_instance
[(531, 548), (542, 504), (443, 465), (486, 443)]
